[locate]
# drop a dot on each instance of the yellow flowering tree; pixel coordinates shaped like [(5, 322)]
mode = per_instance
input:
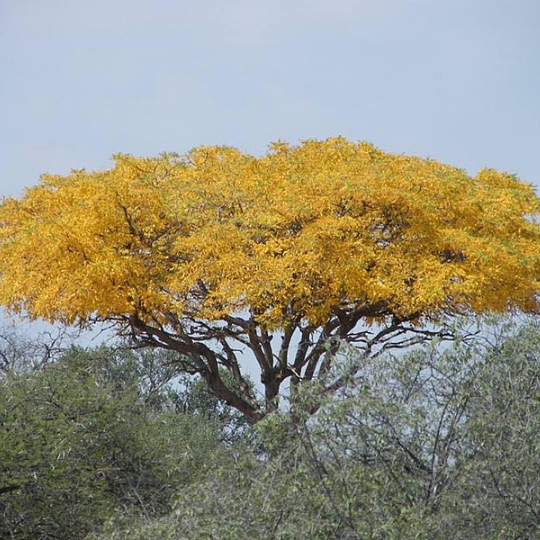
[(216, 252)]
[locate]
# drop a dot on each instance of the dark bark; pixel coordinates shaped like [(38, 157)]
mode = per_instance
[(206, 348)]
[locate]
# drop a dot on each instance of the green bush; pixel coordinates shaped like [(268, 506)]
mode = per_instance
[(438, 444), (90, 436)]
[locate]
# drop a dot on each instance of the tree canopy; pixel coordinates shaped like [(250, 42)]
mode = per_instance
[(216, 250)]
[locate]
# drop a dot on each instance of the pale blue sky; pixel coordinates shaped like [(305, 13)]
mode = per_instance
[(455, 80)]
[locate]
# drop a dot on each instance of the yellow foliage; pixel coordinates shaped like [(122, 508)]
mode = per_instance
[(299, 232)]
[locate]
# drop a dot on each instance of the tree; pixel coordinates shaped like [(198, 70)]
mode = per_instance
[(18, 351), (284, 255), (87, 437), (443, 444)]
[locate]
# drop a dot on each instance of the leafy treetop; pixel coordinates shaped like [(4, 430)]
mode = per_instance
[(225, 247)]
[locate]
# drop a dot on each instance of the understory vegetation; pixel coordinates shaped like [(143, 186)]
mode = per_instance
[(110, 443)]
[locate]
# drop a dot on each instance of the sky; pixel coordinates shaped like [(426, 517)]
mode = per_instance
[(457, 81)]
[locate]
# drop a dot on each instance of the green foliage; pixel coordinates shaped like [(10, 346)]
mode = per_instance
[(193, 397), (437, 444), (89, 436), (499, 478), (442, 444)]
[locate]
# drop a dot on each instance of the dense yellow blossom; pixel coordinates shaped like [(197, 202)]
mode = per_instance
[(299, 232)]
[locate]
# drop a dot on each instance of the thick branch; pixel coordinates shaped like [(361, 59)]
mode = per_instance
[(206, 363)]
